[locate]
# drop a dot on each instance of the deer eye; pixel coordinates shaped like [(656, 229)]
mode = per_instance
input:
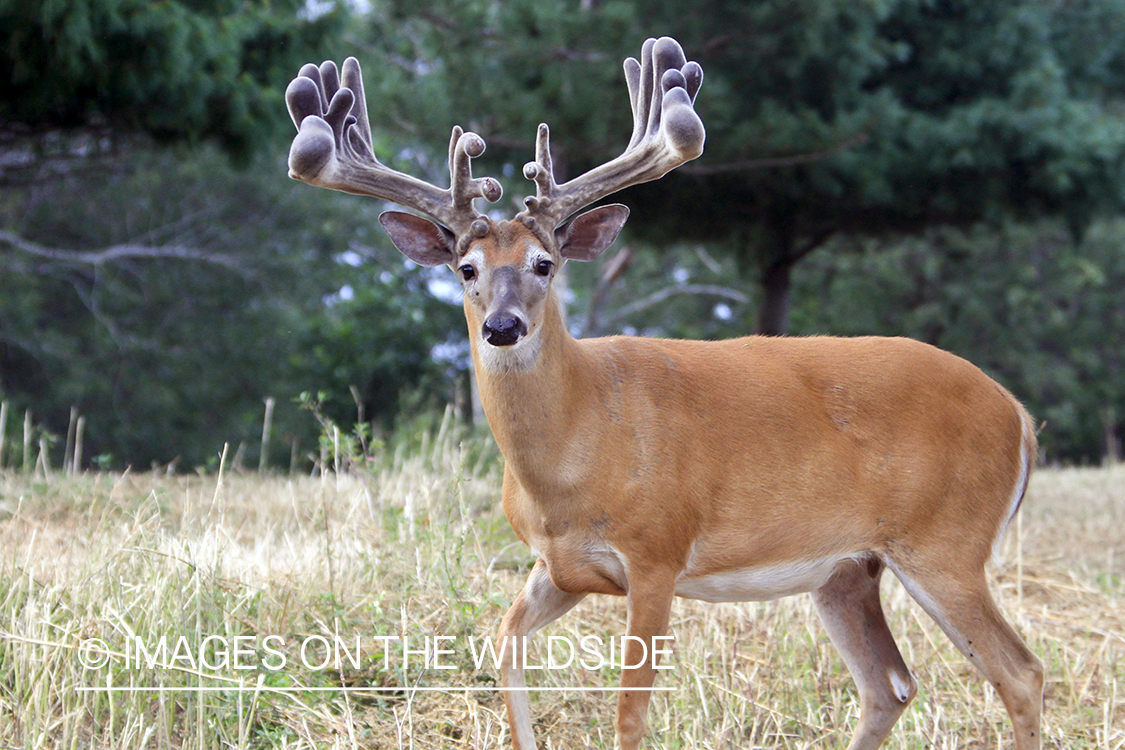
[(468, 273), (543, 267)]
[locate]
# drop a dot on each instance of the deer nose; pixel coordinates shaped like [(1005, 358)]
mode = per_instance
[(504, 330)]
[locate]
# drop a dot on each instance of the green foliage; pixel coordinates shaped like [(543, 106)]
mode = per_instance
[(176, 69), (163, 293), (849, 120), (823, 118), (380, 338), (187, 292), (1007, 118), (894, 117)]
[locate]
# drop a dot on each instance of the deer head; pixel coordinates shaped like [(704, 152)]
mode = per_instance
[(506, 267)]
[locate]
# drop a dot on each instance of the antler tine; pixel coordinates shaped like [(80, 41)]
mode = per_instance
[(542, 171), (666, 133), (464, 188), (333, 149)]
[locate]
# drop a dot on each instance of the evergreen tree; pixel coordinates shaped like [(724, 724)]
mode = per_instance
[(823, 117), (177, 70)]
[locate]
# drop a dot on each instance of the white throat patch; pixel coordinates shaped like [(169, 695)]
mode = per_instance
[(519, 357)]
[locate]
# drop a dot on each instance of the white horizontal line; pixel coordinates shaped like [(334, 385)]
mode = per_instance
[(267, 689)]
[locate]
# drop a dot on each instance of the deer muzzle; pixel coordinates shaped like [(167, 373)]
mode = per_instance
[(505, 323), (504, 329)]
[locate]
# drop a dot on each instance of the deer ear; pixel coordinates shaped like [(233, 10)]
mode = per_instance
[(587, 235), (421, 240)]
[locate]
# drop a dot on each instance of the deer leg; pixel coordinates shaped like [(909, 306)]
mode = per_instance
[(649, 606), (852, 614), (540, 603), (964, 609)]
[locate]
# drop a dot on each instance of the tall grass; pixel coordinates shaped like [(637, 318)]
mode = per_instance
[(408, 540)]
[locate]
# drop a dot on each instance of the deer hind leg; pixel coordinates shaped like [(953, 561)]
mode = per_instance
[(965, 610), (852, 614), (540, 603)]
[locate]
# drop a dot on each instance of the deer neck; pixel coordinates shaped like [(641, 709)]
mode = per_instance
[(532, 398)]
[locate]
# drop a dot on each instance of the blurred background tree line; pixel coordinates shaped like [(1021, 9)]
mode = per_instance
[(948, 170)]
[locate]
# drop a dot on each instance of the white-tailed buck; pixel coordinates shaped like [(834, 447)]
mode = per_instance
[(734, 470)]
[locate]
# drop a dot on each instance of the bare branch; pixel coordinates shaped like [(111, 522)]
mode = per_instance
[(766, 162), (659, 296), (186, 226), (119, 252), (815, 240), (613, 272)]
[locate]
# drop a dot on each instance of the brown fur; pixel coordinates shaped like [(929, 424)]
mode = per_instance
[(636, 465)]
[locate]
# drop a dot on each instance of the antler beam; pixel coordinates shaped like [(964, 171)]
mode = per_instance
[(333, 150), (666, 133)]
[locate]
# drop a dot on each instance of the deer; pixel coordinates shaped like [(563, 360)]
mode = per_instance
[(738, 470)]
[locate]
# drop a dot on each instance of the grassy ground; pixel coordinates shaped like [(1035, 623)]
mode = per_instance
[(415, 546)]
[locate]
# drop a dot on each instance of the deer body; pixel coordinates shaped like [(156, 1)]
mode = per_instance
[(753, 469), (725, 471), (711, 447)]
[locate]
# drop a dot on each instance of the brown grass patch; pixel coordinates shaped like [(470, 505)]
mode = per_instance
[(420, 549)]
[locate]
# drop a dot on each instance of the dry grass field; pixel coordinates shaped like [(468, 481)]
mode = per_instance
[(153, 611)]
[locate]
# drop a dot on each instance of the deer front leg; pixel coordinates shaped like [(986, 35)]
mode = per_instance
[(650, 604), (540, 603)]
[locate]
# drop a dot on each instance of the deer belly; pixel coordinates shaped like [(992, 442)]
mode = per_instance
[(757, 583)]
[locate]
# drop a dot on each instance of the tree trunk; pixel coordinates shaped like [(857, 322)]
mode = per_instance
[(773, 315), (775, 264), (777, 254)]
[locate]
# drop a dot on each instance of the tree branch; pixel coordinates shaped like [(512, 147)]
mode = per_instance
[(659, 296), (613, 272), (776, 161), (119, 252), (814, 241)]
